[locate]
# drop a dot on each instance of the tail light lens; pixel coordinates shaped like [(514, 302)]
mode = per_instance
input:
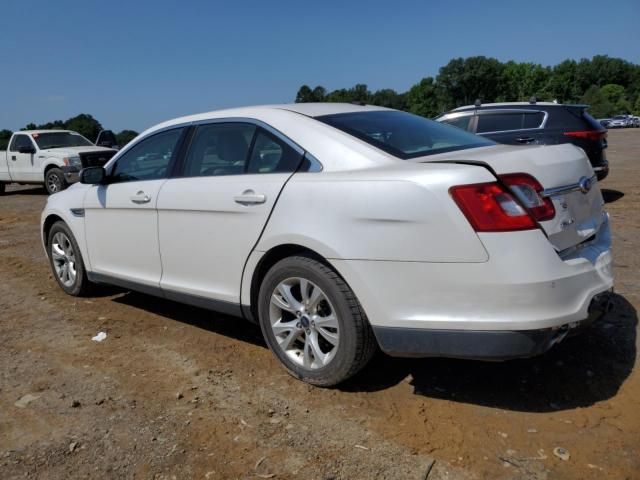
[(529, 192), (588, 134), (490, 207)]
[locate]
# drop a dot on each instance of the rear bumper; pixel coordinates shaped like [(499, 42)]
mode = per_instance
[(71, 174), (492, 345), (516, 304)]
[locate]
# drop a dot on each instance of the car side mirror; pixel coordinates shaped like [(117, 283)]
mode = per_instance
[(26, 149), (93, 175)]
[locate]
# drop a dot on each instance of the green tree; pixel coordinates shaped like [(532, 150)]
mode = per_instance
[(85, 125), (5, 135), (389, 98), (424, 98), (521, 81), (304, 94), (636, 109), (466, 79), (125, 136), (599, 104), (617, 96)]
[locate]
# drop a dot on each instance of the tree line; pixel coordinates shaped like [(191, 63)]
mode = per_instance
[(84, 124), (609, 85)]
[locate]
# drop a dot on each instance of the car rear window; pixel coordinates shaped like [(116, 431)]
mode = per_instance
[(402, 134)]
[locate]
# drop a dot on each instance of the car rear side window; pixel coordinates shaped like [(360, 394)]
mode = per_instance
[(533, 120), (219, 149), (460, 122), (20, 141), (272, 155), (498, 122), (148, 159)]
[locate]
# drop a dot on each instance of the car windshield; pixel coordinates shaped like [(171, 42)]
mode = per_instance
[(60, 139), (402, 134)]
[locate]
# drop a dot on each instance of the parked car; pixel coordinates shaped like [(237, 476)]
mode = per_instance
[(635, 122), (604, 122), (620, 121), (49, 157), (106, 138), (536, 123), (340, 227)]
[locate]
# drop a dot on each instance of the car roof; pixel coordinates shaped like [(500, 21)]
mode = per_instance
[(30, 132), (307, 109), (515, 104)]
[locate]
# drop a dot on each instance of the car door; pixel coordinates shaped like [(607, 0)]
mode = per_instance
[(21, 162), (121, 220), (212, 215), (511, 127)]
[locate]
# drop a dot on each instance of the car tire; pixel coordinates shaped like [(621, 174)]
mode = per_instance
[(2, 188), (323, 342), (66, 261), (54, 181)]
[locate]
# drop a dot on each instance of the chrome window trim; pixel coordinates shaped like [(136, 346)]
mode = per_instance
[(253, 121), (509, 110)]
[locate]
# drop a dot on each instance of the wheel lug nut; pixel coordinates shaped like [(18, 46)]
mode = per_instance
[(298, 325)]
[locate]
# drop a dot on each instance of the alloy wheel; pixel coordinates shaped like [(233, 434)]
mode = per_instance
[(64, 259), (53, 183), (304, 323)]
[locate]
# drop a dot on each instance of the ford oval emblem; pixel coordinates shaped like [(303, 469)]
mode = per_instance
[(585, 184)]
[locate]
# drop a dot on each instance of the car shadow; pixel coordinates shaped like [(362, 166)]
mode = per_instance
[(579, 372), (25, 191), (226, 325), (611, 196)]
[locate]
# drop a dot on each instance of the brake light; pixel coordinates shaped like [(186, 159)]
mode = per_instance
[(490, 208), (588, 134), (529, 192)]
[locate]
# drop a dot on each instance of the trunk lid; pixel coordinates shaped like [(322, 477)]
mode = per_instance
[(565, 174)]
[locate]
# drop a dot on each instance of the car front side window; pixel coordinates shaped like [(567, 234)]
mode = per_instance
[(219, 149), (149, 159)]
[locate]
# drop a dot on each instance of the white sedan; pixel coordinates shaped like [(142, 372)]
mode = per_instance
[(340, 228)]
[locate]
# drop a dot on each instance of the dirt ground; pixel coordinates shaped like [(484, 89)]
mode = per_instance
[(179, 392)]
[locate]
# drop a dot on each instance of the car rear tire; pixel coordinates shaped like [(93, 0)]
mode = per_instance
[(54, 181), (313, 322), (66, 261), (2, 187)]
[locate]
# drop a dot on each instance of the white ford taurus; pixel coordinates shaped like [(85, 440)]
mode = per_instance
[(340, 228)]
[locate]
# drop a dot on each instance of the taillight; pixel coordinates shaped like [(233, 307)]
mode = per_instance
[(490, 208), (588, 134), (529, 192)]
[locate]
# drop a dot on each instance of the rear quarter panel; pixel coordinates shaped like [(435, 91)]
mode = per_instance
[(393, 214)]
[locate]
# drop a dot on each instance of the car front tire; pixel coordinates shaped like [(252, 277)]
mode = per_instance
[(2, 188), (313, 322), (54, 181), (66, 261)]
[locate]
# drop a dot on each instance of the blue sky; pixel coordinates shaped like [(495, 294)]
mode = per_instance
[(134, 63)]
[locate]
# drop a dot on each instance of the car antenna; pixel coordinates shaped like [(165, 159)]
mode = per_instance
[(533, 100), (478, 103)]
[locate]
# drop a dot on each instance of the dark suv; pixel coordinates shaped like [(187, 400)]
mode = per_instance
[(536, 123)]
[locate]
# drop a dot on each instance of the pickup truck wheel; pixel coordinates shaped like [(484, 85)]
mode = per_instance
[(54, 181), (66, 261), (313, 323)]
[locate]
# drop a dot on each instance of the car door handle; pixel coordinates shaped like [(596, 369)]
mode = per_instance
[(525, 139), (13, 157), (249, 197), (140, 197)]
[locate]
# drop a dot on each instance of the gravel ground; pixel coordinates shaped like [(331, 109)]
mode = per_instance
[(179, 392)]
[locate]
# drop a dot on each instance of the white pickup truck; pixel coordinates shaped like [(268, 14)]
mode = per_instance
[(50, 157)]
